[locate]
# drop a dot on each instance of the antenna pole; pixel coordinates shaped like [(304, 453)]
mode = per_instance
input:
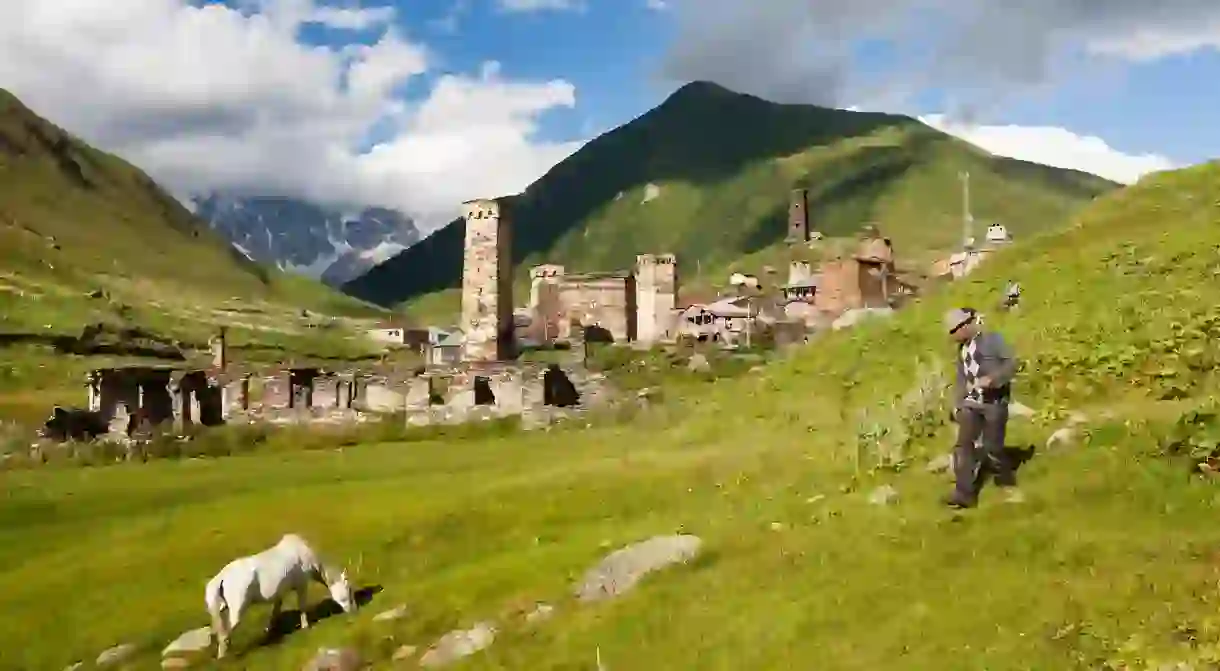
[(967, 217)]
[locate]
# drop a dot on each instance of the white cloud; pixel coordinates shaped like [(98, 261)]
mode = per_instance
[(1054, 146), (209, 97), (657, 5), (352, 19), (540, 5), (982, 51), (1151, 42)]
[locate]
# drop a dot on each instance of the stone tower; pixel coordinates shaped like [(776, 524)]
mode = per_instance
[(218, 344), (798, 216), (487, 287), (656, 288), (545, 306)]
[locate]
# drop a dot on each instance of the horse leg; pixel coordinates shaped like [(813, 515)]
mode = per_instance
[(276, 604), (301, 590), (222, 634)]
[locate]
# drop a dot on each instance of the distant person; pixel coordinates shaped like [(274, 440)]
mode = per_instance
[(985, 369)]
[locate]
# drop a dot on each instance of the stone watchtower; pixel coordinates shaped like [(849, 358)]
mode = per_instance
[(487, 287), (798, 216), (656, 289)]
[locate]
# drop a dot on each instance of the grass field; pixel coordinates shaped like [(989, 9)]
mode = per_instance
[(1112, 563)]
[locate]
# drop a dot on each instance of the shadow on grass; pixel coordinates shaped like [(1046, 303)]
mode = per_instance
[(290, 620)]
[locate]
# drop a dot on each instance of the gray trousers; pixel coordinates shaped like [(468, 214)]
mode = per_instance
[(970, 465)]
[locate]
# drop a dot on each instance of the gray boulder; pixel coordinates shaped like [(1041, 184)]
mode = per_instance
[(622, 569)]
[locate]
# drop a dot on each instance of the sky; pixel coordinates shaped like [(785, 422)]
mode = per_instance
[(421, 104)]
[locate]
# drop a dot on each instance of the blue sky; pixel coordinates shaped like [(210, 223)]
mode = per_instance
[(420, 104), (612, 52)]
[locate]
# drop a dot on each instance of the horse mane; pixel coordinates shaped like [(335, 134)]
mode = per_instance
[(327, 573)]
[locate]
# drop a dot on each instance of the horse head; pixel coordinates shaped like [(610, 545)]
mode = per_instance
[(341, 593)]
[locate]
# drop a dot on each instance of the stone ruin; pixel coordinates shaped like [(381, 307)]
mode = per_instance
[(636, 306), (487, 383)]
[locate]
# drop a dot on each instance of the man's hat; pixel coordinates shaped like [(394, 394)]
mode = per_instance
[(957, 318)]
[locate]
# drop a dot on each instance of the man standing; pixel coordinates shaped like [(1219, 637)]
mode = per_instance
[(985, 368)]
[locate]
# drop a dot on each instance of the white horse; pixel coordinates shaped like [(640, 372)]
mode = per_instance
[(267, 576)]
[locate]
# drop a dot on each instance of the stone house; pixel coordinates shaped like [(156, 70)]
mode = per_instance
[(396, 332), (624, 305), (444, 347), (724, 321)]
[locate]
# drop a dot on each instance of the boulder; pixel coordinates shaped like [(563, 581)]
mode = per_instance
[(622, 569), (335, 659), (883, 496), (458, 644), (394, 613), (195, 640), (116, 655)]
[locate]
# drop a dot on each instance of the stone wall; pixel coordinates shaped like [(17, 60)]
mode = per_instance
[(839, 286), (546, 308), (607, 300), (487, 298), (381, 396), (799, 272)]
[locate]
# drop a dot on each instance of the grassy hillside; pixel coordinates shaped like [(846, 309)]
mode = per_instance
[(707, 175), (1110, 564), (87, 238)]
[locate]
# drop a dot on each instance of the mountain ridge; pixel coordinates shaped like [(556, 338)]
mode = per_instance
[(324, 242)]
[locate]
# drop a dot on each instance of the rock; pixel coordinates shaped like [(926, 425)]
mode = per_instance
[(542, 612), (116, 655), (852, 317), (622, 569), (1063, 436), (194, 640), (404, 652), (698, 364), (394, 613), (458, 644), (120, 422), (883, 496), (1020, 410), (1076, 418), (175, 663), (941, 464), (75, 667), (335, 659)]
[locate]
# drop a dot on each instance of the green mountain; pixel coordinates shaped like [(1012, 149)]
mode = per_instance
[(86, 238), (706, 175)]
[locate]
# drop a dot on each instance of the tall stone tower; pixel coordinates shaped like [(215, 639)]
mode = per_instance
[(656, 289), (798, 216), (487, 287)]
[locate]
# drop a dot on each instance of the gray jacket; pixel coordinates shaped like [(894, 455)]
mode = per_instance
[(996, 361)]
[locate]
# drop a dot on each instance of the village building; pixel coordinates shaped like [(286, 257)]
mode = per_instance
[(396, 332), (961, 264), (444, 347), (613, 306)]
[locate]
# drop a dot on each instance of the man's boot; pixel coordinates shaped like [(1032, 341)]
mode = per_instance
[(958, 501)]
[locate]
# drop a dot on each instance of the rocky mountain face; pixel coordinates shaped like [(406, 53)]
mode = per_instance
[(327, 243)]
